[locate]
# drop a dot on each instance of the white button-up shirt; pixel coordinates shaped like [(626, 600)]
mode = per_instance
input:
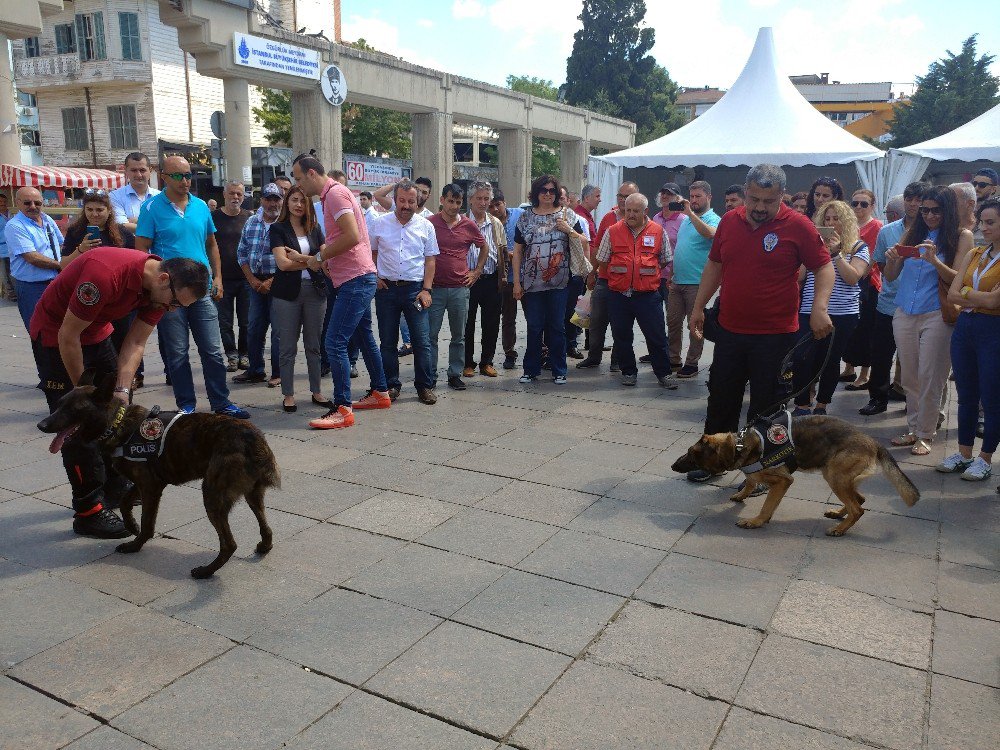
[(126, 202), (400, 249)]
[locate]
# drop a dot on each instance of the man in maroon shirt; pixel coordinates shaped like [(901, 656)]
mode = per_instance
[(71, 330), (453, 279), (755, 258)]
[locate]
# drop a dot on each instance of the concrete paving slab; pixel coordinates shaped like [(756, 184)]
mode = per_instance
[(655, 438), (502, 462), (346, 635), (383, 472), (703, 656), (307, 457), (612, 455), (705, 587), (470, 678), (473, 429), (121, 662), (596, 708), (836, 691), (489, 536), (314, 496), (970, 591), (967, 648), (106, 738), (539, 441), (538, 502), (330, 553), (452, 485), (976, 547), (765, 549), (630, 522), (28, 478), (33, 720), (245, 529), (744, 730), (916, 536), (257, 702), (963, 715), (663, 493), (547, 613), (857, 622), (574, 474), (427, 448), (366, 722), (14, 576), (793, 516), (972, 508), (398, 515), (428, 579)]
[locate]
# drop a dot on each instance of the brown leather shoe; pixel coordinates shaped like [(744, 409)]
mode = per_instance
[(488, 370), (427, 396), (469, 372)]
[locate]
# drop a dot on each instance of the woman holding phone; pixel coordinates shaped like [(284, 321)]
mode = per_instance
[(921, 325)]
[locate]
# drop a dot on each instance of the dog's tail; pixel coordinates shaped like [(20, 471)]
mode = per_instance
[(906, 489), (271, 475)]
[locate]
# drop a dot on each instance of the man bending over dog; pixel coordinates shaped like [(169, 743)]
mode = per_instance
[(71, 331)]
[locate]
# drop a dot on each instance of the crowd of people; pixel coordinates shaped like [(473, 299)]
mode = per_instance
[(810, 273)]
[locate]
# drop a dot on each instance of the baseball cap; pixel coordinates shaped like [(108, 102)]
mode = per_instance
[(989, 174), (270, 190), (671, 187)]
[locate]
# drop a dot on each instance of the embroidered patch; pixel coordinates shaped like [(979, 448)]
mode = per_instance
[(151, 429), (88, 293), (777, 434), (770, 242)]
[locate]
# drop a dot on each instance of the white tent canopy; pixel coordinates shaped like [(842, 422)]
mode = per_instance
[(761, 119), (977, 139)]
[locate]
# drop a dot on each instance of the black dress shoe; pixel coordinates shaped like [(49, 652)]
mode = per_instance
[(289, 409), (645, 359), (394, 392), (103, 524), (354, 371), (875, 406), (587, 363), (456, 382), (574, 354), (896, 394), (248, 377), (509, 363)]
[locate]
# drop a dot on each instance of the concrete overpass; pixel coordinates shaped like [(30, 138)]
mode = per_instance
[(436, 100)]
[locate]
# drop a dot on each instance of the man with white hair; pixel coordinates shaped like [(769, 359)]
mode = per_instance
[(486, 294), (965, 199)]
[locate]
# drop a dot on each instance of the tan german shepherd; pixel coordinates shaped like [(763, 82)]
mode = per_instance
[(844, 455)]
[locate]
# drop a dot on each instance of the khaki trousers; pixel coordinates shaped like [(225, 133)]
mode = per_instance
[(680, 304), (923, 345)]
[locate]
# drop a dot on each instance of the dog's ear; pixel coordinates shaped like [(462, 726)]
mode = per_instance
[(106, 388), (88, 377)]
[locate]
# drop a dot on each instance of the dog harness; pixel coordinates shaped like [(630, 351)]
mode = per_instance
[(777, 447), (150, 436)]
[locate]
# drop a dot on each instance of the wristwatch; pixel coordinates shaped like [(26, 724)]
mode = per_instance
[(425, 289), (965, 291)]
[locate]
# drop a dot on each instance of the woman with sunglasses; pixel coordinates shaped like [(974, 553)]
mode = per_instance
[(299, 294), (824, 190), (919, 325), (541, 276), (858, 352)]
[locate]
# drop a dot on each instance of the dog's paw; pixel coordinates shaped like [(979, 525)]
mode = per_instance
[(835, 531), (127, 548), (737, 498), (202, 571), (749, 523), (263, 547)]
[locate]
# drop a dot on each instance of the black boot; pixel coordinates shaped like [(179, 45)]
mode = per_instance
[(102, 524)]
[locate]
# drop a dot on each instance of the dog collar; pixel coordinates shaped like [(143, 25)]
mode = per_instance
[(115, 425)]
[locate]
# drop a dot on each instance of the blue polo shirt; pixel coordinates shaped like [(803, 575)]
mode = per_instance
[(174, 235), (917, 292), (25, 236), (888, 236), (513, 214), (691, 251)]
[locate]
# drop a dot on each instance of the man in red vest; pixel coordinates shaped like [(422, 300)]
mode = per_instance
[(631, 255)]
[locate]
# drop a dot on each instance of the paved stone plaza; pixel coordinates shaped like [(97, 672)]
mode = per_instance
[(513, 567)]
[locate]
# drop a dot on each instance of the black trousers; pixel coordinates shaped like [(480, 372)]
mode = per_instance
[(883, 347), (84, 464), (577, 285), (484, 295), (746, 358), (121, 328), (235, 294), (858, 351)]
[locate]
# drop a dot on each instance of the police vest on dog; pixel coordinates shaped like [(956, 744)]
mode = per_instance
[(777, 447), (148, 439)]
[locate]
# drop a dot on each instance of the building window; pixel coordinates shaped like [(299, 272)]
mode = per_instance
[(124, 132), (65, 39), (30, 137), (32, 47), (464, 152), (75, 129), (90, 36), (128, 24), (26, 100)]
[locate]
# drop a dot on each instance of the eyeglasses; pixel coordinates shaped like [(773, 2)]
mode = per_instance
[(547, 191), (174, 303), (981, 184), (180, 176), (860, 204), (931, 210)]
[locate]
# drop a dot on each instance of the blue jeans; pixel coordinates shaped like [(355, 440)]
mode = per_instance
[(389, 304), (202, 320), (454, 301), (404, 331), (350, 322), (545, 311), (353, 346), (975, 358), (28, 294), (260, 319), (646, 309)]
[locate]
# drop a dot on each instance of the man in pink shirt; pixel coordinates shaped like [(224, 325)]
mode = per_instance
[(346, 258)]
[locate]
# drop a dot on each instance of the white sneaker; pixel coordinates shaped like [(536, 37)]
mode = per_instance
[(978, 470), (954, 463)]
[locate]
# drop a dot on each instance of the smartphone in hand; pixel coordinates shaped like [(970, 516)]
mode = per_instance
[(93, 232), (907, 251), (675, 206), (826, 232)]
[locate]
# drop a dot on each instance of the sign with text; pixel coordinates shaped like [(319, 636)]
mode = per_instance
[(275, 56), (373, 174)]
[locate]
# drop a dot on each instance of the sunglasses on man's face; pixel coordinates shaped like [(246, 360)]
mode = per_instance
[(978, 184), (180, 176), (860, 204)]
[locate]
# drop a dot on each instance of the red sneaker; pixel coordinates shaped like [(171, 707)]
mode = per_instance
[(340, 417), (374, 400)]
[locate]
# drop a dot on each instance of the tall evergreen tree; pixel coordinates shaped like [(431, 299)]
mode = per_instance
[(610, 69), (956, 89)]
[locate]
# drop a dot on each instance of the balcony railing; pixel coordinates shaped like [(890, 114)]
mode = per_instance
[(68, 71)]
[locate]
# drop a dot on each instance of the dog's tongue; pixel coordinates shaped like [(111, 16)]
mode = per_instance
[(57, 442)]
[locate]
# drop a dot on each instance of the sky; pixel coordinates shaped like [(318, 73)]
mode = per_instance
[(702, 43)]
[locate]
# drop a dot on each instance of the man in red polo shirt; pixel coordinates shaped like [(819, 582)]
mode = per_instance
[(755, 257), (71, 331)]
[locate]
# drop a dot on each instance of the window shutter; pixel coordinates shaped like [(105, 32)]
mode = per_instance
[(81, 36), (100, 49)]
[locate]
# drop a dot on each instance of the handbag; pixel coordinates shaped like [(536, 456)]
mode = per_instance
[(579, 264), (711, 327), (949, 311)]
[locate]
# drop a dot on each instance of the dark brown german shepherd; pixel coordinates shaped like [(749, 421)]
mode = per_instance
[(844, 455), (230, 455)]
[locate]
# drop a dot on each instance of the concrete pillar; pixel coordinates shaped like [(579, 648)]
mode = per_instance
[(515, 164), (10, 142), (433, 152), (316, 124), (236, 149), (573, 163)]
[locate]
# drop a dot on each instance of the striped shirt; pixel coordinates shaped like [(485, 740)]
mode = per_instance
[(255, 247), (486, 229), (845, 298)]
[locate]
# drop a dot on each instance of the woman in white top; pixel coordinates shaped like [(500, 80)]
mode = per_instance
[(851, 257)]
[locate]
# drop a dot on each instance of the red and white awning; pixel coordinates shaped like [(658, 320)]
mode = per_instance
[(16, 175)]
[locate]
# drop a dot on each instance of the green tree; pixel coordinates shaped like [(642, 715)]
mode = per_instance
[(544, 151), (956, 89), (610, 69), (275, 114)]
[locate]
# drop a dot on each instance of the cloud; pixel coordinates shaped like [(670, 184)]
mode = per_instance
[(530, 23), (462, 9), (385, 37), (425, 23)]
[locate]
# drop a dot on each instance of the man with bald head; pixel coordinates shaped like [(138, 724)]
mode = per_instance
[(33, 243), (176, 224)]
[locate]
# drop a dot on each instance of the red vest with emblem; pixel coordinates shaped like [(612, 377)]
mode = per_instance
[(635, 261)]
